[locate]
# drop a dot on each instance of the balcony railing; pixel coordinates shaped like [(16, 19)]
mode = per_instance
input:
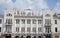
[(47, 24)]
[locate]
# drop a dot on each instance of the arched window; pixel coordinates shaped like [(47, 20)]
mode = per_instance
[(9, 14), (47, 15)]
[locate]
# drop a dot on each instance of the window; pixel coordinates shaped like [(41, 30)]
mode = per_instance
[(9, 14), (0, 29), (39, 29), (47, 21), (34, 29), (23, 29), (28, 29), (56, 36), (28, 21), (0, 21), (55, 21), (17, 21), (56, 29), (17, 29), (48, 29), (34, 21), (39, 21), (8, 29), (47, 15), (9, 21), (23, 21)]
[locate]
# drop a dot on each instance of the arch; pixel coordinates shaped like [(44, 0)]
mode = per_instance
[(22, 36), (34, 37), (39, 36), (28, 37), (16, 36)]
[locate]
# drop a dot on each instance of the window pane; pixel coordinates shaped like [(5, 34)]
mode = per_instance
[(17, 21), (55, 21), (34, 21), (28, 21), (23, 29), (23, 21), (39, 29), (28, 29), (56, 29), (34, 29), (17, 29), (0, 21), (0, 29), (39, 21)]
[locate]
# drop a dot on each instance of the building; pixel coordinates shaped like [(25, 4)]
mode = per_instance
[(26, 24)]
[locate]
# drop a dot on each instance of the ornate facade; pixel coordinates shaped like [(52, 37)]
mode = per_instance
[(26, 24)]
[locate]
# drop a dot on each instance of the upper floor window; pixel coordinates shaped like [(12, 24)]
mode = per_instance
[(23, 29), (17, 21), (9, 21), (39, 21), (9, 14), (0, 21), (34, 21), (47, 21), (47, 15), (17, 29), (28, 21), (34, 29), (55, 21), (0, 29), (56, 29), (28, 29), (23, 21), (39, 29)]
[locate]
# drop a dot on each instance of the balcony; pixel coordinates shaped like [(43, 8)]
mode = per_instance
[(47, 24), (7, 32), (8, 23)]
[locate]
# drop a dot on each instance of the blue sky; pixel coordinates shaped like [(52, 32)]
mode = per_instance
[(35, 5)]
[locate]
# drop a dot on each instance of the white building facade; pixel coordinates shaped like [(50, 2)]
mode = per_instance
[(26, 24)]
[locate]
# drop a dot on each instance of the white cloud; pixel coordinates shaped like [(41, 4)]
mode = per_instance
[(23, 4), (2, 1), (57, 7)]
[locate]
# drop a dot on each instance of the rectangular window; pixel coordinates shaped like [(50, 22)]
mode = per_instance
[(0, 21), (17, 29), (0, 29), (9, 21), (48, 29), (39, 29), (23, 29), (47, 21), (8, 29), (28, 29), (34, 29), (28, 21), (34, 21), (39, 21), (17, 21), (55, 21), (23, 21), (56, 29)]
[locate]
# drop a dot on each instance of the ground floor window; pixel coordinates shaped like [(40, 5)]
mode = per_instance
[(56, 36)]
